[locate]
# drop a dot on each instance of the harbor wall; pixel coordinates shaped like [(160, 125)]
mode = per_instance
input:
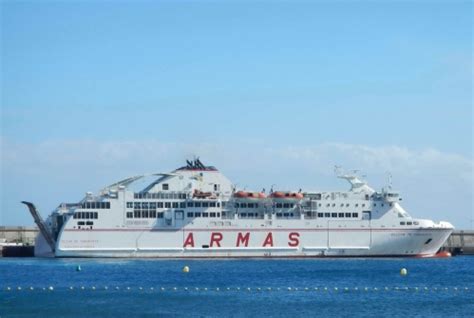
[(460, 242)]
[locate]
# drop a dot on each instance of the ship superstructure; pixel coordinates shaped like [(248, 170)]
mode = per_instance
[(196, 212)]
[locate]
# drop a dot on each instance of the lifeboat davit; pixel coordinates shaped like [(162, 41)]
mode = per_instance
[(287, 195)]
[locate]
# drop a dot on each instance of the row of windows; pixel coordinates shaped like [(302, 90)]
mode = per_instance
[(159, 195), (145, 215), (174, 205), (285, 215), (204, 204), (96, 205), (86, 215), (248, 215), (85, 223), (203, 215), (338, 215), (409, 223)]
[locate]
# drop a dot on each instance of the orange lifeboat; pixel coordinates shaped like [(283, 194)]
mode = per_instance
[(241, 194), (201, 194), (287, 195), (249, 195)]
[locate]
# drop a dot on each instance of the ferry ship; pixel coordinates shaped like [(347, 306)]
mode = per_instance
[(196, 212)]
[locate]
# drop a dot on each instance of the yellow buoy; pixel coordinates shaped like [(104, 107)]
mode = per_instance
[(186, 269), (403, 272)]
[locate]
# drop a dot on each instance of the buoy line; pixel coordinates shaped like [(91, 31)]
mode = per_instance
[(323, 289)]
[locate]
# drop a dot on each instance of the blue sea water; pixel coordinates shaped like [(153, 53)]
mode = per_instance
[(237, 288)]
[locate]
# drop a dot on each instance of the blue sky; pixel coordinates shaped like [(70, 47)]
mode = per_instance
[(270, 92)]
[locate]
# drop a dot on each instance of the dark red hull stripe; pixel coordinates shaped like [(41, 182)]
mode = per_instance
[(253, 230)]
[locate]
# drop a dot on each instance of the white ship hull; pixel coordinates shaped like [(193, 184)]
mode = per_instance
[(245, 243)]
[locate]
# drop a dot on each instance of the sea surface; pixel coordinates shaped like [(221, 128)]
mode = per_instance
[(237, 288)]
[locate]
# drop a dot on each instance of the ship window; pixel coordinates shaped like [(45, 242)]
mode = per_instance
[(182, 205), (357, 204), (326, 215), (166, 186), (75, 215), (212, 204), (334, 215), (348, 215), (88, 205), (129, 205), (190, 204), (279, 205), (102, 205), (144, 205), (251, 205), (129, 215), (347, 205), (402, 223), (319, 204), (243, 205), (375, 204), (219, 205), (197, 204), (136, 205), (218, 215), (190, 214), (416, 223), (80, 223), (213, 214), (159, 205), (167, 205), (197, 214), (334, 204), (89, 223), (152, 205), (175, 205), (136, 214), (320, 215), (88, 215), (382, 204), (153, 214), (286, 205), (236, 205), (96, 215), (286, 215), (144, 214), (363, 205), (342, 204), (205, 214), (341, 215), (409, 223), (205, 204)]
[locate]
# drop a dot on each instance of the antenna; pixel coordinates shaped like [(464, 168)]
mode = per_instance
[(337, 170), (389, 177)]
